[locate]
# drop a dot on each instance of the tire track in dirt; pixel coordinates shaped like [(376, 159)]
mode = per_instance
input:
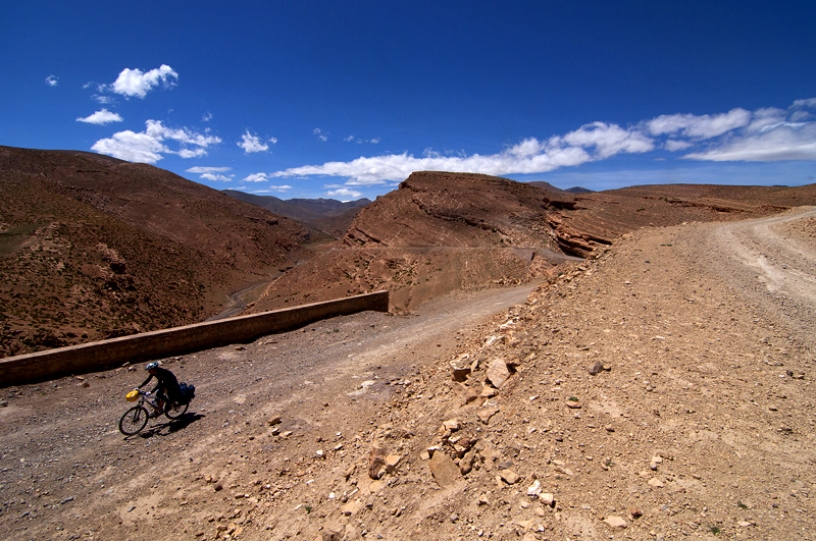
[(770, 264)]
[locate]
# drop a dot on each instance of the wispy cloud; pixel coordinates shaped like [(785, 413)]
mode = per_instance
[(151, 145), (809, 103), (271, 189), (252, 143), (673, 145), (263, 177), (201, 169), (344, 194), (699, 126), (323, 136), (101, 118), (52, 80), (360, 141), (137, 83), (786, 141), (211, 173), (256, 177), (767, 134), (102, 99), (591, 142)]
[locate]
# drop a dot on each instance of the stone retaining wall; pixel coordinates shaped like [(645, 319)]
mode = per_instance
[(51, 364)]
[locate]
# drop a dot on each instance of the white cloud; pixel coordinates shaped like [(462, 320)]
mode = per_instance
[(765, 119), (207, 117), (192, 152), (269, 189), (101, 118), (150, 145), (263, 177), (609, 139), (529, 156), (359, 141), (699, 126), (767, 134), (52, 80), (673, 145), (201, 169), (323, 136), (136, 83), (252, 143), (344, 194), (211, 173), (787, 141), (131, 146), (771, 135), (182, 135), (809, 103), (217, 177)]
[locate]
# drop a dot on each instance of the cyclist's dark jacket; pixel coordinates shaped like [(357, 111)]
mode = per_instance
[(167, 383)]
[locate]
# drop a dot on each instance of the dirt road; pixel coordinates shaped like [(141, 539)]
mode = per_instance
[(65, 465), (662, 391), (773, 260)]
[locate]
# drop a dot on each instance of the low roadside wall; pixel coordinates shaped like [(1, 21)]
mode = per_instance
[(51, 364)]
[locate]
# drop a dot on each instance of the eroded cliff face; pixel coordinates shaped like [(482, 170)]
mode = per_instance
[(469, 210), (459, 210)]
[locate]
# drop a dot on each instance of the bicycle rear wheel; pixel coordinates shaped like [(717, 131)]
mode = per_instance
[(174, 411), (133, 421)]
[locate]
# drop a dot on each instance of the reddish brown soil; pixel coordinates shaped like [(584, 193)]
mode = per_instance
[(696, 424), (92, 247)]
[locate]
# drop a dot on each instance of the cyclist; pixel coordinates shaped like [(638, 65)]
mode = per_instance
[(167, 386)]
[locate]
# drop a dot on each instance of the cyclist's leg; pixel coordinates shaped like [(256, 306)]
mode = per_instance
[(161, 398)]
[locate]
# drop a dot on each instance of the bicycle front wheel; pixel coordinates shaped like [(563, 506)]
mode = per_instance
[(133, 421), (174, 411)]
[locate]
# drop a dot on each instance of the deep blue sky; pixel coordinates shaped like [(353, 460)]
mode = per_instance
[(345, 99)]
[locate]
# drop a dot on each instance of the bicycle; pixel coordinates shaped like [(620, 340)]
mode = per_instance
[(135, 419)]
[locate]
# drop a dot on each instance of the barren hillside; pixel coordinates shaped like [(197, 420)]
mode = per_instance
[(661, 390), (93, 247)]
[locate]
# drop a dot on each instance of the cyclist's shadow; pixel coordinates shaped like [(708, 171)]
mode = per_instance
[(172, 425)]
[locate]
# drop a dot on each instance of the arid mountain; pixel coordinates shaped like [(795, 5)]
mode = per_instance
[(328, 215), (93, 247), (459, 210), (442, 232)]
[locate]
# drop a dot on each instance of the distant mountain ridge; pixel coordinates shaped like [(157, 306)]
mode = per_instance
[(328, 215), (548, 186)]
